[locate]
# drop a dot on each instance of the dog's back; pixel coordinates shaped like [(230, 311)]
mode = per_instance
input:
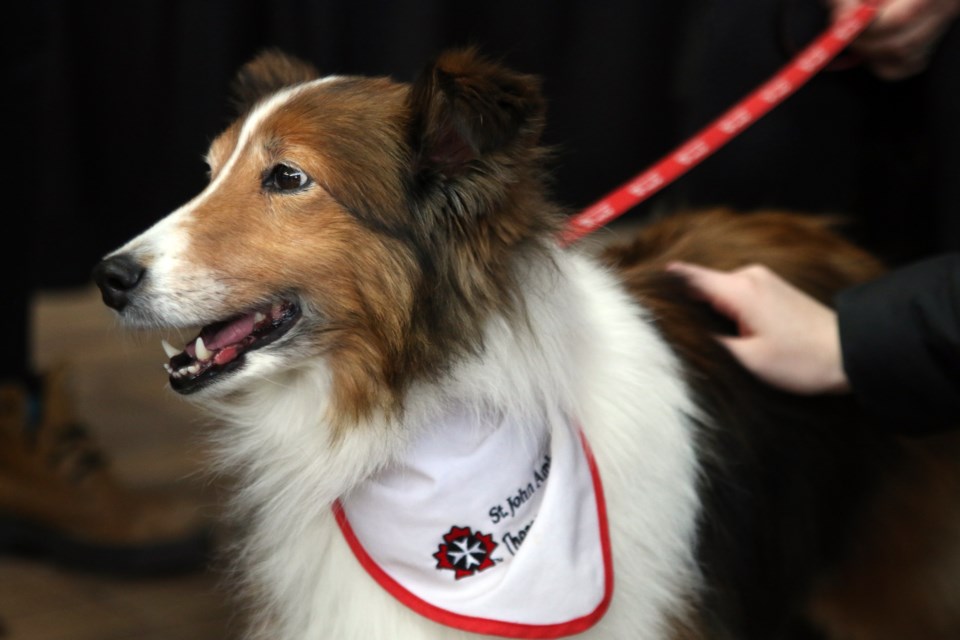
[(814, 517)]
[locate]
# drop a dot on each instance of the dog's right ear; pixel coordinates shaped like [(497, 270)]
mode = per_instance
[(266, 74)]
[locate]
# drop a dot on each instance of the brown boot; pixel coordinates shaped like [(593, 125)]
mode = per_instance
[(59, 501)]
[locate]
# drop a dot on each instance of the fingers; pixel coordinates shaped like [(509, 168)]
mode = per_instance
[(702, 279), (903, 36), (745, 350), (785, 337), (902, 41), (735, 295), (717, 288), (724, 286), (739, 295)]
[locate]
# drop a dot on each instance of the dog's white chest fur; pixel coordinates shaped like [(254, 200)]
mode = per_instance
[(586, 351)]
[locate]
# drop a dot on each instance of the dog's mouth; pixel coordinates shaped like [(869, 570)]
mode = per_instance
[(220, 347)]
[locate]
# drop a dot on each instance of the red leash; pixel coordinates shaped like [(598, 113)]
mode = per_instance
[(784, 83)]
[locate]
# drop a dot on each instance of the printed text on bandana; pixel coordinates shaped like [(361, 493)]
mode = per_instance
[(511, 507)]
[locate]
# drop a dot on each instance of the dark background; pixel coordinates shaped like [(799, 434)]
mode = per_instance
[(114, 104)]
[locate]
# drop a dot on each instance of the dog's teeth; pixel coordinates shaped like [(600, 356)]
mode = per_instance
[(258, 318), (167, 368), (169, 349), (201, 350), (192, 369)]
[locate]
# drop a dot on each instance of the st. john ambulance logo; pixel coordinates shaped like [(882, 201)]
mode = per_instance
[(465, 552)]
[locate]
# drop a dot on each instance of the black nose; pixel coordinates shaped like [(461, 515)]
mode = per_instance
[(117, 277)]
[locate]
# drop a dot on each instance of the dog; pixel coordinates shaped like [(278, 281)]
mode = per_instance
[(447, 424)]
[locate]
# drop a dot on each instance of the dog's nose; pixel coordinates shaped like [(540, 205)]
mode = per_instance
[(117, 277)]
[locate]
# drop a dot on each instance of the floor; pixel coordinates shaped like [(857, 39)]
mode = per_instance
[(154, 440)]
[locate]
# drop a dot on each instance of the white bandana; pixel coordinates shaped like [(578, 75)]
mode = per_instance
[(490, 528)]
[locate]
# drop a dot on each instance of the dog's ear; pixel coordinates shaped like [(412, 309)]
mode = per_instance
[(464, 106), (267, 73)]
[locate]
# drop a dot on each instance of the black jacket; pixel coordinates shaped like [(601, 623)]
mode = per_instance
[(900, 339)]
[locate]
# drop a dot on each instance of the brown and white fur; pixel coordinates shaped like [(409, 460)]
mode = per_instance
[(400, 247)]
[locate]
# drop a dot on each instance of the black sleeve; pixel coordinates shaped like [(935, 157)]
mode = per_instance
[(900, 339)]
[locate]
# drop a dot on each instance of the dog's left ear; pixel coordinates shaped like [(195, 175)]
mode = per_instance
[(465, 106), (266, 74)]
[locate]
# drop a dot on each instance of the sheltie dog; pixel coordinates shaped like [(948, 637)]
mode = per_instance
[(447, 424)]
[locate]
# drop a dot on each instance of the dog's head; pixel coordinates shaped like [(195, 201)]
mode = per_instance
[(371, 224)]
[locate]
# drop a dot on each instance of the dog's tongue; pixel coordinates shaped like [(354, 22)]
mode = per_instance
[(232, 333)]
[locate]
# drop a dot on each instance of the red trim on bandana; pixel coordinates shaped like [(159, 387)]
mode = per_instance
[(485, 625)]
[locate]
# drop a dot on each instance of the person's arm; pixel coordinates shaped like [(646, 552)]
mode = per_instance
[(900, 338), (894, 341)]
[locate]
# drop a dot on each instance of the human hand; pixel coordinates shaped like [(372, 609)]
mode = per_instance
[(785, 337), (903, 36)]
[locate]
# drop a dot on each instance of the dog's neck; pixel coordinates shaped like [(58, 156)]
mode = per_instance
[(520, 374)]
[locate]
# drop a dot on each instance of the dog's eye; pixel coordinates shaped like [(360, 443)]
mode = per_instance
[(285, 178)]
